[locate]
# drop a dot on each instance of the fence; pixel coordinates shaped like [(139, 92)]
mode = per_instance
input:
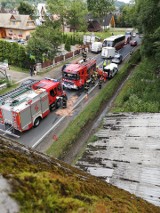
[(61, 58)]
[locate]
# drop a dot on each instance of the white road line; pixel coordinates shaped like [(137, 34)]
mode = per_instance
[(23, 79), (39, 141)]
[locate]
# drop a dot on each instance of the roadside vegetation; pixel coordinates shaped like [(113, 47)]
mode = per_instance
[(141, 92), (76, 127)]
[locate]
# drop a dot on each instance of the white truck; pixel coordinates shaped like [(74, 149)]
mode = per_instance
[(96, 47), (108, 52), (111, 70)]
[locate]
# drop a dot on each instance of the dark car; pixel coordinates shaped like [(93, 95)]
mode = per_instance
[(133, 43), (117, 58), (21, 41)]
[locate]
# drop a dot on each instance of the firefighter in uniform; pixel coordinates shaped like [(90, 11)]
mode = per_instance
[(104, 64), (100, 82), (84, 55), (86, 87), (64, 102)]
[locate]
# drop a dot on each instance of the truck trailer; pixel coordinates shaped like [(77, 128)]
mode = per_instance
[(108, 52)]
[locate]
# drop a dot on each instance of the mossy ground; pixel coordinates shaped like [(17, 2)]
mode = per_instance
[(43, 184)]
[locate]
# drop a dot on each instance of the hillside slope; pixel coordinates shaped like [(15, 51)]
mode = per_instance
[(42, 184)]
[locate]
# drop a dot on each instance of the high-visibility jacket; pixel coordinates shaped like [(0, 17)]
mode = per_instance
[(104, 63)]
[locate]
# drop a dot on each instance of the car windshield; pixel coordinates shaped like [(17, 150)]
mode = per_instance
[(70, 76), (109, 43), (117, 56)]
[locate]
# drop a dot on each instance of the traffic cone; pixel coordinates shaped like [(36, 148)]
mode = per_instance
[(55, 138), (86, 96)]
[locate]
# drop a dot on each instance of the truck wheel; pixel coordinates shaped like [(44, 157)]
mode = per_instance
[(37, 122), (116, 70), (58, 103)]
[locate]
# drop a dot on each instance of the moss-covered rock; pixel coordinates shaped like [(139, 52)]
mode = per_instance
[(43, 184)]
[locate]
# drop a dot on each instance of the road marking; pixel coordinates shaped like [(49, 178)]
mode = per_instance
[(40, 139), (23, 80)]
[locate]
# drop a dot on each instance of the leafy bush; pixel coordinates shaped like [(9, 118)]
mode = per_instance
[(141, 93)]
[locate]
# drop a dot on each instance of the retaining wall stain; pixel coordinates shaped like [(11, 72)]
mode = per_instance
[(126, 154)]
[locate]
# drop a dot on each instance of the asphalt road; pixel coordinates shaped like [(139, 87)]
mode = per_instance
[(34, 136)]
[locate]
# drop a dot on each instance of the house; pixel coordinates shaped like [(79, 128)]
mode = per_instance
[(41, 12), (94, 26), (108, 21), (15, 26)]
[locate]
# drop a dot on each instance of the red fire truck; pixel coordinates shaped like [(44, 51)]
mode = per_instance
[(26, 106), (74, 76)]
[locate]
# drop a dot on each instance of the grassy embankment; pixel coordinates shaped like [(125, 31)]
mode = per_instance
[(141, 92), (72, 132)]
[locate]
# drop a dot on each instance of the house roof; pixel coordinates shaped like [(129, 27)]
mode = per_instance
[(107, 19), (22, 21), (40, 7), (94, 26)]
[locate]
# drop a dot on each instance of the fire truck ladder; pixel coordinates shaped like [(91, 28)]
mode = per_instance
[(17, 91), (9, 131)]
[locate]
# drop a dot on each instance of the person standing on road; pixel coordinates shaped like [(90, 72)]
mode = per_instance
[(104, 64), (34, 70), (31, 71), (84, 55)]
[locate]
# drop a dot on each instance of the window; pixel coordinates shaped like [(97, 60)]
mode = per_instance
[(53, 92)]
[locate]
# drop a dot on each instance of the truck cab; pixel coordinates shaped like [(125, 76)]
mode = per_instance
[(111, 70), (75, 75), (54, 89)]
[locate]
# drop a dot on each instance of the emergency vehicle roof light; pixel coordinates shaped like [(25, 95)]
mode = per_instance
[(51, 79)]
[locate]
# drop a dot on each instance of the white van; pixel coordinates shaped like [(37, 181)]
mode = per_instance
[(108, 52), (96, 47)]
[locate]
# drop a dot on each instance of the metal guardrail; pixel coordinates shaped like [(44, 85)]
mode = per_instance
[(17, 90)]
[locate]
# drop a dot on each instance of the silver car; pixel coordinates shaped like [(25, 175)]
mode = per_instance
[(117, 59)]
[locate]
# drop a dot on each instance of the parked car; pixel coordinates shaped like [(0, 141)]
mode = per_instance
[(21, 41), (133, 43), (117, 58), (134, 34)]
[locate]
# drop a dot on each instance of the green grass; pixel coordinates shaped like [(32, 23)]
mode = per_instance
[(71, 133), (141, 92), (9, 88), (19, 69), (102, 35)]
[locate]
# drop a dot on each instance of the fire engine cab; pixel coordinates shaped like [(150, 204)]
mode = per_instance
[(74, 76), (26, 106)]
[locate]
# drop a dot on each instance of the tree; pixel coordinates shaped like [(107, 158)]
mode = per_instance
[(68, 45), (45, 41), (76, 14), (148, 15), (60, 8), (127, 18), (147, 22), (25, 9), (100, 8)]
